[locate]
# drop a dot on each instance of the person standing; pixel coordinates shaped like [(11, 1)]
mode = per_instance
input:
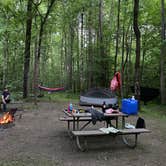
[(5, 98)]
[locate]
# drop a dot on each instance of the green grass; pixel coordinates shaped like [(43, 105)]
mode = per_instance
[(60, 96), (154, 111)]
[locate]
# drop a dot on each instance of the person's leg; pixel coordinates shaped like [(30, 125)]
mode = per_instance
[(4, 107)]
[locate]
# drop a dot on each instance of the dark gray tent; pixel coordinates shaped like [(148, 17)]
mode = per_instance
[(97, 96)]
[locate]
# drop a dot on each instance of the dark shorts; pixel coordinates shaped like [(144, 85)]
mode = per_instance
[(7, 101)]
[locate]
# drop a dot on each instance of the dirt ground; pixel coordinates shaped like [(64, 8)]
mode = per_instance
[(38, 138)]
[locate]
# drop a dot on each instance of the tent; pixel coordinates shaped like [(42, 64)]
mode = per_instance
[(97, 96)]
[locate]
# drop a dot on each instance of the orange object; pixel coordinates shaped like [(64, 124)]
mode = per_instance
[(6, 118)]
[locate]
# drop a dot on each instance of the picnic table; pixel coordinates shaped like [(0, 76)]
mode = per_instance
[(76, 118), (78, 131)]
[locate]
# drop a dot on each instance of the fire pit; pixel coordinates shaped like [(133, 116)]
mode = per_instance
[(7, 118)]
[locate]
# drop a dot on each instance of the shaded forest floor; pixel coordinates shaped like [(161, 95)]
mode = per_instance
[(39, 138)]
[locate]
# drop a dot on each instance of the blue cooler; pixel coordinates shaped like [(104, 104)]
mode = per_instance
[(130, 106)]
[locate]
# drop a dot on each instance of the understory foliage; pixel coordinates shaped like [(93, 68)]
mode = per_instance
[(79, 43)]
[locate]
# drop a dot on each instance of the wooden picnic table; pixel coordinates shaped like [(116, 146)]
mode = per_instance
[(83, 116), (76, 117)]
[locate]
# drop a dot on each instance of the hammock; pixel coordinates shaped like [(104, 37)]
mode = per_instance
[(50, 89)]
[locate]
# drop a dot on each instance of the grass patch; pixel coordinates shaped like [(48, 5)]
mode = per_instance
[(60, 96), (154, 111)]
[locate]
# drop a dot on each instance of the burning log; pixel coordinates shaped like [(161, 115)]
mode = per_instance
[(6, 118)]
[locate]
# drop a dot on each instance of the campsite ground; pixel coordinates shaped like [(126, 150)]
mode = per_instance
[(39, 138)]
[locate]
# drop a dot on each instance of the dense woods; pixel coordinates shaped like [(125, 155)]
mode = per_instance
[(79, 44)]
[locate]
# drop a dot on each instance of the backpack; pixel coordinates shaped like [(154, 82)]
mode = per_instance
[(140, 123)]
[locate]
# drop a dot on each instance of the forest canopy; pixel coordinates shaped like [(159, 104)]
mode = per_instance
[(79, 44)]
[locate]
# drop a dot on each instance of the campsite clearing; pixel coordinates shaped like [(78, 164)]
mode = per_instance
[(39, 138)]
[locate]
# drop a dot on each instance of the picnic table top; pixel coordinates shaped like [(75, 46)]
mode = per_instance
[(86, 114)]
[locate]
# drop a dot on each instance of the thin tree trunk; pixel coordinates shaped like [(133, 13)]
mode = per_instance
[(35, 71), (90, 53), (62, 60), (78, 59), (70, 57), (143, 59), (117, 37), (81, 49), (5, 59), (128, 63), (122, 64), (137, 51), (162, 56), (42, 24), (27, 48)]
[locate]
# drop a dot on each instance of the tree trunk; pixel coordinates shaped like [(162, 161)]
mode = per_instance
[(90, 52), (162, 56), (128, 62), (78, 58), (81, 50), (101, 46), (35, 71), (27, 48), (117, 37), (42, 24), (70, 58), (137, 51), (143, 59), (5, 59)]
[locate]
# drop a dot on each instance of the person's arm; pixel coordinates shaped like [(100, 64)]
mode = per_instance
[(7, 97), (3, 100)]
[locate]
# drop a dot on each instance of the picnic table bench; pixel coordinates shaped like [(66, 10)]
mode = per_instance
[(129, 135), (122, 132)]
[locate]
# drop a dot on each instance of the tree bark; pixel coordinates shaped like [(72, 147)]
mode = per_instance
[(162, 56), (70, 58), (81, 50), (102, 53), (38, 51), (90, 53), (5, 58), (137, 51), (117, 36), (27, 48)]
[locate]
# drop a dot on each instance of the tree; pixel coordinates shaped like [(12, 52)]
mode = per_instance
[(27, 48), (137, 51), (162, 56), (43, 21), (117, 37)]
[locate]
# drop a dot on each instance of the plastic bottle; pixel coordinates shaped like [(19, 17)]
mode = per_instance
[(70, 107), (133, 98), (103, 107)]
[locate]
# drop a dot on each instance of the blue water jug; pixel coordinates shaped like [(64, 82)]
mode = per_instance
[(130, 106)]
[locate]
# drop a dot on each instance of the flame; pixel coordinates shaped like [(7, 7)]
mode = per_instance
[(6, 118)]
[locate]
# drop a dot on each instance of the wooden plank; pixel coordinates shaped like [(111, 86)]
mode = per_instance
[(134, 131), (88, 133), (71, 119), (87, 114), (98, 132)]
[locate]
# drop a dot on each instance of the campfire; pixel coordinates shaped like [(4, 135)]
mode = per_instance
[(8, 117)]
